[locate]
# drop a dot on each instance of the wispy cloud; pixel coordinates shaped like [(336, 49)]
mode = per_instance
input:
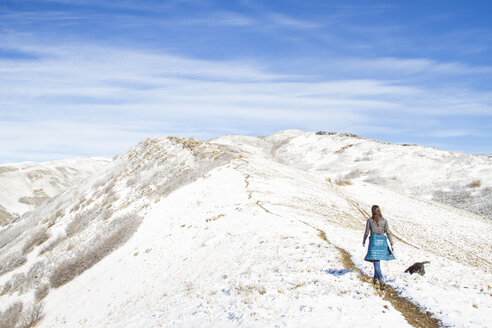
[(93, 96), (417, 65), (218, 19), (284, 20)]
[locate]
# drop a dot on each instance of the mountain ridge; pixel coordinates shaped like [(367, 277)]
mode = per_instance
[(183, 232)]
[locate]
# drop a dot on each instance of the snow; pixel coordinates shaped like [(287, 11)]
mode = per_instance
[(231, 237), (44, 180), (246, 267)]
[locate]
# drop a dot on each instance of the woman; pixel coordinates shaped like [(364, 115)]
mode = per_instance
[(378, 246)]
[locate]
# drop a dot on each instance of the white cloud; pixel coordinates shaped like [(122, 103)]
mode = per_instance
[(416, 65), (100, 100), (284, 20)]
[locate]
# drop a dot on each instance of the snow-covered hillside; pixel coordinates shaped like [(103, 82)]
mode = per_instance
[(27, 185), (458, 179), (240, 232)]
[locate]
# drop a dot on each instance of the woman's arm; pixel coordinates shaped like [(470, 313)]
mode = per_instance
[(366, 233), (388, 233)]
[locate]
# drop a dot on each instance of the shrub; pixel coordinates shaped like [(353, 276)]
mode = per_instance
[(51, 220), (35, 275), (99, 183), (13, 261), (78, 223), (41, 292), (17, 283), (324, 133), (377, 180), (82, 220), (22, 282), (10, 317), (37, 238), (183, 178), (109, 187), (342, 181), (478, 201), (362, 159), (31, 317), (6, 288), (109, 199), (50, 246), (133, 180), (119, 232), (353, 174), (105, 214)]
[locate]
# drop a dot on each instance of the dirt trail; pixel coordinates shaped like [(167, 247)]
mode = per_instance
[(411, 312)]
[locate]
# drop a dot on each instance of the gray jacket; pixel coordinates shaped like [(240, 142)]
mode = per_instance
[(382, 229)]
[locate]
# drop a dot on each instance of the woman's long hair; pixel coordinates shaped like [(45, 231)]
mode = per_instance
[(376, 214)]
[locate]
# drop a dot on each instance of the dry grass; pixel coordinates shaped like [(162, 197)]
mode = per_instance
[(342, 181), (341, 150), (250, 289), (475, 184), (36, 239), (214, 218)]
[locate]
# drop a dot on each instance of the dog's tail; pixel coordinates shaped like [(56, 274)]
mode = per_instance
[(426, 262)]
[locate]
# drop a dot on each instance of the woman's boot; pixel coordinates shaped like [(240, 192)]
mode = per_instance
[(381, 284)]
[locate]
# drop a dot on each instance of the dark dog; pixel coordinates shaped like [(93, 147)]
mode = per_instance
[(417, 267)]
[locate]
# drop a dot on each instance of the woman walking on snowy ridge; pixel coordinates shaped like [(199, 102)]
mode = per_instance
[(378, 245)]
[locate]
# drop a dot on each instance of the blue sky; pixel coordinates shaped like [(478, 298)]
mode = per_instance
[(92, 78)]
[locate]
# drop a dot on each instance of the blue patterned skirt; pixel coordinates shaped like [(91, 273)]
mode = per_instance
[(378, 249)]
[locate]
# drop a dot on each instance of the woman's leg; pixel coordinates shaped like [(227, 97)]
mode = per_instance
[(377, 270), (378, 274)]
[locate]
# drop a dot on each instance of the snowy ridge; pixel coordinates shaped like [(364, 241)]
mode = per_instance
[(460, 179), (237, 232), (27, 185)]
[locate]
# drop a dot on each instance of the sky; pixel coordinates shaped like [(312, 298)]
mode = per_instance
[(94, 77)]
